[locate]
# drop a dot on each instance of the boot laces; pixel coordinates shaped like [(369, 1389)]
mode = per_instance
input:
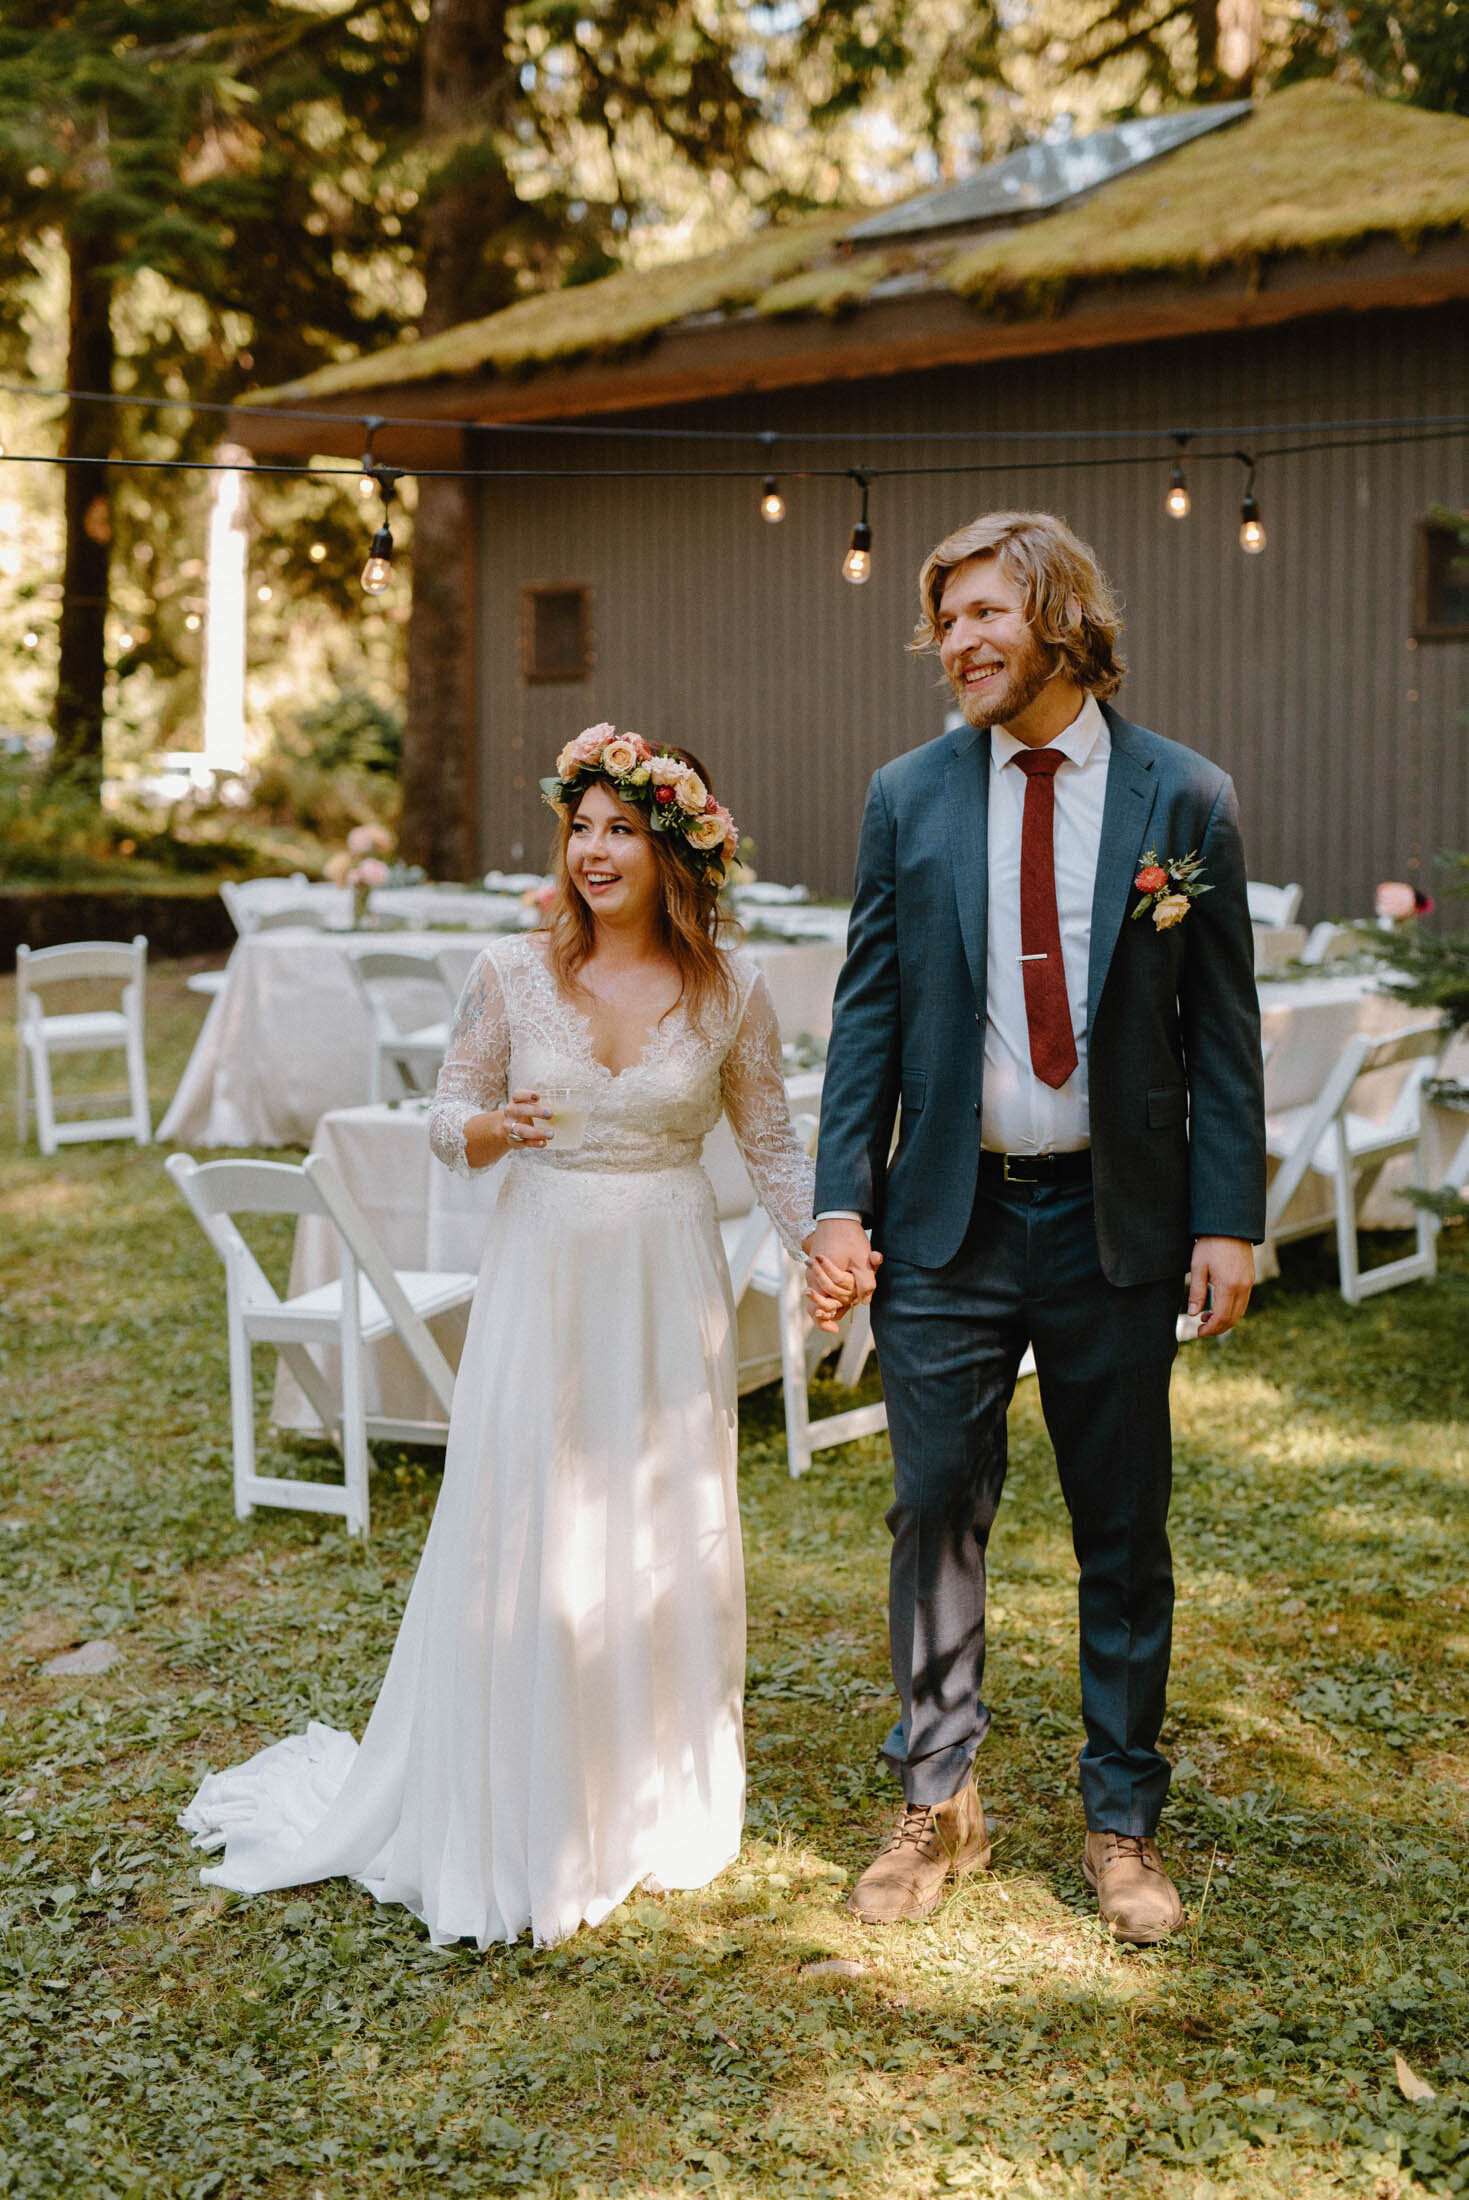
[(912, 1827), (1130, 1848)]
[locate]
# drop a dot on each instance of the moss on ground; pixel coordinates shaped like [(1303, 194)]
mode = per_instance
[(158, 2040)]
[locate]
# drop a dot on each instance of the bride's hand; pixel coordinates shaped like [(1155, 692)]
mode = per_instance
[(489, 1137), (830, 1292)]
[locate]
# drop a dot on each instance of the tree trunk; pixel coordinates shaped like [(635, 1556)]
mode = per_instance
[(77, 718), (464, 61)]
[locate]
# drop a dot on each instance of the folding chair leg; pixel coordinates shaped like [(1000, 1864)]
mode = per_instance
[(793, 1368), (242, 1409), (45, 1100), (856, 1347), (354, 1411), (138, 1087), (21, 1108), (1346, 1224)]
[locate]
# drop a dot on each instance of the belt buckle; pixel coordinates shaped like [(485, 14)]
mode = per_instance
[(1016, 1175)]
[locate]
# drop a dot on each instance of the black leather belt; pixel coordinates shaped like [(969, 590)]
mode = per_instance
[(1036, 1168)]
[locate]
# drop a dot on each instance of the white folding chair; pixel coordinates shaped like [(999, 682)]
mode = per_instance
[(370, 1300), (1274, 905), (81, 1032), (1331, 1139), (1328, 942), (759, 1263), (257, 902), (415, 1054)]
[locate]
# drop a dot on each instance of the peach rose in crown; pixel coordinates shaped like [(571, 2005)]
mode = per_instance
[(691, 791), (706, 832), (1151, 879), (620, 756), (1171, 910)]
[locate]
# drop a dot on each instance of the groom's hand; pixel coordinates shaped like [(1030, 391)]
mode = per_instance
[(1225, 1267), (842, 1245)]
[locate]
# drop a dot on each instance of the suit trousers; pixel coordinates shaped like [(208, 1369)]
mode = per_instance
[(949, 1342)]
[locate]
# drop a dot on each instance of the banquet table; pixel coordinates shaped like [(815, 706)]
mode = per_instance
[(287, 1036), (426, 1216)]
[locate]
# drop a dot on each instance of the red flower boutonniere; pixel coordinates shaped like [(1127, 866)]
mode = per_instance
[(1168, 886)]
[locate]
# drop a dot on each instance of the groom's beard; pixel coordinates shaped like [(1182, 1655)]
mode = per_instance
[(1012, 690)]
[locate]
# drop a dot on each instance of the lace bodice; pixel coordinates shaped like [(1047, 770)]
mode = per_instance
[(515, 1030)]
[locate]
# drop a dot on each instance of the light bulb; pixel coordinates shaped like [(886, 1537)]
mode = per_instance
[(1178, 503), (857, 564), (366, 486), (192, 622), (1251, 528), (31, 638), (264, 592), (378, 570), (317, 552), (124, 640), (772, 503)]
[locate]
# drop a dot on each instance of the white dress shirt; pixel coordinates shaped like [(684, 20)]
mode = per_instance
[(1021, 1114)]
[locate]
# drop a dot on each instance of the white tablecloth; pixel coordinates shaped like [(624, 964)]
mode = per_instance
[(287, 1036), (427, 1217)]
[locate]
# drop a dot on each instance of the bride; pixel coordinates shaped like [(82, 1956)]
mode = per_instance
[(561, 1716)]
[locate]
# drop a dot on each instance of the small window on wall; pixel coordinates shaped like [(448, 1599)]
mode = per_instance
[(1441, 598), (555, 631)]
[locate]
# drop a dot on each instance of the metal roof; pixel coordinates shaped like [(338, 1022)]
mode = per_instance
[(1040, 177)]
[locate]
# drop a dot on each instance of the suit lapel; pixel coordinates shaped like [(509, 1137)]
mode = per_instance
[(1132, 787), (967, 807)]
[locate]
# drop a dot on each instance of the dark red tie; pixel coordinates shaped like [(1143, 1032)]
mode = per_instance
[(1047, 1009)]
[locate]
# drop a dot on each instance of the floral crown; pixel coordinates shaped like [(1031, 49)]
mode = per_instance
[(671, 791)]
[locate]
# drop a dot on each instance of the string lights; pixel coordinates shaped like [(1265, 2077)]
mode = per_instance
[(857, 564), (1062, 451), (378, 570), (1178, 503), (772, 503), (1251, 526)]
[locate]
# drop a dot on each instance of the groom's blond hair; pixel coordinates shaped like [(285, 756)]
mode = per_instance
[(1067, 599)]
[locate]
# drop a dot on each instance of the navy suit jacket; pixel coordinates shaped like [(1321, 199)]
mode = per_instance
[(1173, 1019)]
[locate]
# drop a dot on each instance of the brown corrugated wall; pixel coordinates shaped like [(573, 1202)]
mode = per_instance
[(1295, 669)]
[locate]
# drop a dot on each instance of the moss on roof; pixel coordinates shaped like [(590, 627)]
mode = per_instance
[(1317, 168), (614, 315)]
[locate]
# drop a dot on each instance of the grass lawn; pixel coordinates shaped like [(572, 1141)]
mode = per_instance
[(160, 2040)]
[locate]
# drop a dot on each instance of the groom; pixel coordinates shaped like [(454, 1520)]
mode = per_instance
[(1066, 1011)]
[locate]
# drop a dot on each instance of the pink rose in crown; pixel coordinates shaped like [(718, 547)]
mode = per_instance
[(1151, 879)]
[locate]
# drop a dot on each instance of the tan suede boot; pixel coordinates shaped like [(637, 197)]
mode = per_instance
[(931, 1840), (1137, 1899)]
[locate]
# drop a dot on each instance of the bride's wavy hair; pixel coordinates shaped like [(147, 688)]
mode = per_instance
[(694, 928)]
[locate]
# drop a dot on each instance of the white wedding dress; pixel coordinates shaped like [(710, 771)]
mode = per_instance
[(561, 1715)]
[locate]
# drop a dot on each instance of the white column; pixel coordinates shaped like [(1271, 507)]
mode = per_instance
[(224, 615)]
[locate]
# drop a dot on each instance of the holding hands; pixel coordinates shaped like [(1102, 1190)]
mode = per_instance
[(841, 1270)]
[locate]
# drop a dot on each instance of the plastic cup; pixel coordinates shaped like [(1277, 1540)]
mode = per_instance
[(566, 1126)]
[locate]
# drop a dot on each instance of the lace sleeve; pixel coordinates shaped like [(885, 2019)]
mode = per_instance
[(476, 1069), (760, 1117)]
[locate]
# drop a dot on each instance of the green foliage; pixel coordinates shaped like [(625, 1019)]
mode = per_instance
[(1431, 968), (335, 767), (164, 2041)]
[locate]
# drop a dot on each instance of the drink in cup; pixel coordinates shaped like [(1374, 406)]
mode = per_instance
[(566, 1126)]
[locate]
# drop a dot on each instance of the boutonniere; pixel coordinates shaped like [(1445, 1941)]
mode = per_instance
[(1169, 886)]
